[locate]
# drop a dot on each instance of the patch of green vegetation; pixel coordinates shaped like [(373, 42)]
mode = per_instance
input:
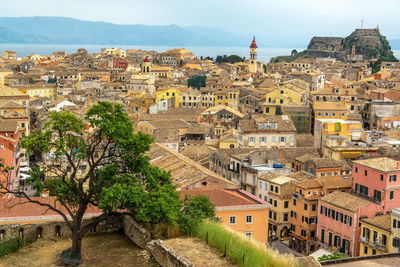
[(197, 81), (334, 256), (238, 249)]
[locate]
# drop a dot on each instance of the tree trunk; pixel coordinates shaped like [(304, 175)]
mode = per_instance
[(76, 242)]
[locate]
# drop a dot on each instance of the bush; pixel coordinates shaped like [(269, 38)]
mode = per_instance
[(238, 249), (333, 256)]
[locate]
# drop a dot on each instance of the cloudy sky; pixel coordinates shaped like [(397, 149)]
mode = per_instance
[(280, 18)]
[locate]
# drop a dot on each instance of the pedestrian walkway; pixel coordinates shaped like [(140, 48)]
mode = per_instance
[(284, 249)]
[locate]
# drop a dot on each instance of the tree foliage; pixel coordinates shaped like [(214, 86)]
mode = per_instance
[(197, 81), (195, 210), (229, 59)]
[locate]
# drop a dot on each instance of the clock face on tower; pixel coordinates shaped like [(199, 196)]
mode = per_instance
[(252, 62)]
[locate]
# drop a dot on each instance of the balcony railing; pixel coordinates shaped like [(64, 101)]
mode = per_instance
[(375, 244)]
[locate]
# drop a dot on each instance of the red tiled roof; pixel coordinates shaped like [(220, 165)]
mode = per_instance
[(223, 197), (19, 207), (146, 59)]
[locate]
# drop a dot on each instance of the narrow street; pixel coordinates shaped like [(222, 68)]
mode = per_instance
[(284, 249)]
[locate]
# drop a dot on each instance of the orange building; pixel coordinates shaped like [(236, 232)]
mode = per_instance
[(238, 210)]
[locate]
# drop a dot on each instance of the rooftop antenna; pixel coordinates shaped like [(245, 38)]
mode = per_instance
[(362, 23)]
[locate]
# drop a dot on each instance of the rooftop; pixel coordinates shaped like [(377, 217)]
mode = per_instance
[(380, 221), (383, 164), (346, 201)]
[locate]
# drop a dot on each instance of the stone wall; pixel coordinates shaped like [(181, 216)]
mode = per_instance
[(55, 229), (136, 232), (166, 256)]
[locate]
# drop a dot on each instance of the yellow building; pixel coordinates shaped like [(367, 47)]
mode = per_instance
[(376, 235), (3, 74), (39, 90), (395, 231), (330, 110), (164, 93), (229, 139), (35, 57), (114, 51), (253, 57)]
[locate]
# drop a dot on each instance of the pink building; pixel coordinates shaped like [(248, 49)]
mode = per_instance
[(338, 221), (379, 180)]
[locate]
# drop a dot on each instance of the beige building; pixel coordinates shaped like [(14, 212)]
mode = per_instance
[(267, 131)]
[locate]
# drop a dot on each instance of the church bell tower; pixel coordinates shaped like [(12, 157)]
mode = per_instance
[(253, 56)]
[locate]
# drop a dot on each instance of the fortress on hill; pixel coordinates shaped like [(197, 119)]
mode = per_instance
[(361, 44)]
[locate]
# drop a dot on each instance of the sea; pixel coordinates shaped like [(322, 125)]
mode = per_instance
[(264, 53)]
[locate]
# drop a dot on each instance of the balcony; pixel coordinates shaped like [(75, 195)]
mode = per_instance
[(375, 244)]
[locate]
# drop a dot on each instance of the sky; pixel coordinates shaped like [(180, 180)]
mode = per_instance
[(280, 18)]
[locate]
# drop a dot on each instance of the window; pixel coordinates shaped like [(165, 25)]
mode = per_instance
[(275, 203), (303, 233), (381, 177), (330, 239), (305, 206), (249, 235), (274, 216), (365, 250), (273, 139), (373, 251), (347, 220), (249, 219), (282, 139), (377, 195), (276, 189), (251, 139), (272, 188), (392, 178), (384, 239), (314, 207), (286, 204), (270, 214), (254, 180), (285, 217), (244, 177), (391, 195), (281, 101), (263, 139), (294, 202), (232, 220), (356, 169), (365, 172), (322, 236), (260, 185)]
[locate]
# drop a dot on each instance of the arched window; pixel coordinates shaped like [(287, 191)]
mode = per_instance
[(57, 231), (21, 233), (2, 234), (39, 232)]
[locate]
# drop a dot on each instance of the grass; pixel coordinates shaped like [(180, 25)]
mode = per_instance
[(240, 250), (98, 250)]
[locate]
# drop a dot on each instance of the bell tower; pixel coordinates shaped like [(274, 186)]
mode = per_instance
[(253, 56), (146, 65)]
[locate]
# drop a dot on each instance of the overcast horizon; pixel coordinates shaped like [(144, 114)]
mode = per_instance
[(278, 19)]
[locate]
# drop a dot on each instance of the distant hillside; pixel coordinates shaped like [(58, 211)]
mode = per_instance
[(60, 30)]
